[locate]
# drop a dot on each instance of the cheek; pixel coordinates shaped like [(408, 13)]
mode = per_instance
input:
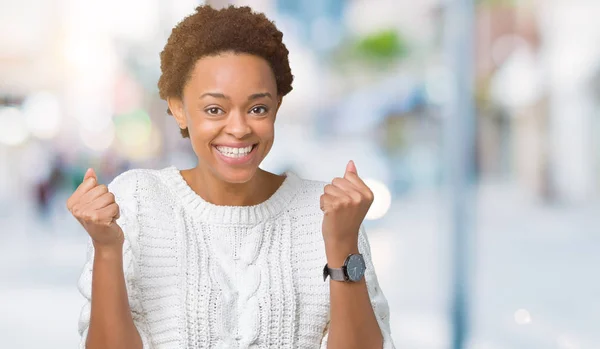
[(265, 131), (202, 132)]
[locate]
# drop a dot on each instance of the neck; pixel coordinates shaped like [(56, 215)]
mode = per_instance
[(219, 192)]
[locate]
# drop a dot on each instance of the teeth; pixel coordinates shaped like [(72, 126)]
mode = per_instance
[(234, 152)]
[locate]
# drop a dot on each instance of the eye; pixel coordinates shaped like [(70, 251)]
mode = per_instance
[(259, 110), (214, 111)]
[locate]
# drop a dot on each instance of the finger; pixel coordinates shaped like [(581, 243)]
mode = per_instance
[(90, 173), (101, 201), (359, 184), (326, 200), (348, 188), (93, 194), (344, 184), (104, 215), (335, 191), (85, 186), (111, 212), (351, 168)]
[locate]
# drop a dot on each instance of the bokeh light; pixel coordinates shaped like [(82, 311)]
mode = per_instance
[(522, 317), (383, 199), (136, 136), (13, 130), (99, 140), (43, 115)]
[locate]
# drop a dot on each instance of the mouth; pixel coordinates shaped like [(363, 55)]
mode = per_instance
[(235, 152)]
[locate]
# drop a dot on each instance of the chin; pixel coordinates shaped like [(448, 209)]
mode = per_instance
[(236, 176)]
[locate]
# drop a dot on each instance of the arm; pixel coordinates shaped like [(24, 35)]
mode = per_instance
[(112, 316), (110, 323), (359, 311)]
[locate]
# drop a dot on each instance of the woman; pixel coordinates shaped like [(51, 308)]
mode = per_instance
[(227, 255)]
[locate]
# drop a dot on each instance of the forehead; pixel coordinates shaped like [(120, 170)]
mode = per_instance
[(230, 73)]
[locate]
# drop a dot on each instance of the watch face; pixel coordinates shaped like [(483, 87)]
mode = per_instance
[(355, 267)]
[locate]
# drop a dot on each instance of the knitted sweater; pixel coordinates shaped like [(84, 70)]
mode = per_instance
[(199, 275)]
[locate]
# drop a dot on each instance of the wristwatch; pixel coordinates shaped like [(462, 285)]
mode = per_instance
[(353, 269)]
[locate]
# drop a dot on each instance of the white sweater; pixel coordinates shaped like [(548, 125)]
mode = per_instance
[(200, 275)]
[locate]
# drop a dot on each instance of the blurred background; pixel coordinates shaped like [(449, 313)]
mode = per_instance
[(475, 123)]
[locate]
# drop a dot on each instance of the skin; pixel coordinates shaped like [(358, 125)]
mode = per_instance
[(230, 99)]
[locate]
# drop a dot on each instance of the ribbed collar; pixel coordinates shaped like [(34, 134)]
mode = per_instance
[(232, 215)]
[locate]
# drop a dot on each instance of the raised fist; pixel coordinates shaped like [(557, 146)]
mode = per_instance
[(95, 208), (345, 204)]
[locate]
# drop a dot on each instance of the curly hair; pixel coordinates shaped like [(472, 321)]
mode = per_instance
[(208, 32)]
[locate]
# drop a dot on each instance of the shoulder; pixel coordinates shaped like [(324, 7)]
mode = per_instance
[(308, 194), (309, 187), (137, 183), (130, 180)]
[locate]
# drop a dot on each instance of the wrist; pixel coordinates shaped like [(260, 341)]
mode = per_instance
[(337, 253), (111, 251)]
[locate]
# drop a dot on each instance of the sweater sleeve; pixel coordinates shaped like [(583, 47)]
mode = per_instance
[(378, 300), (124, 188)]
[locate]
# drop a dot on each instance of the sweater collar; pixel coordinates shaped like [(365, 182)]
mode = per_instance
[(233, 215)]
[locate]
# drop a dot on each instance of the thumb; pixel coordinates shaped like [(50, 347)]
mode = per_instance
[(351, 167), (90, 173)]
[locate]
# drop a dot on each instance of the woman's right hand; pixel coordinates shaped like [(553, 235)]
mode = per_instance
[(95, 208)]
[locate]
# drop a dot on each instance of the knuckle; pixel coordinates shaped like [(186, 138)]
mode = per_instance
[(370, 196), (86, 217), (76, 210), (94, 217), (103, 188)]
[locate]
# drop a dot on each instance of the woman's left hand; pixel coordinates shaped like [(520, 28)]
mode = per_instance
[(345, 204)]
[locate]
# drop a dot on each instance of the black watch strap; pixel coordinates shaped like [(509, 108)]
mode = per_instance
[(336, 274)]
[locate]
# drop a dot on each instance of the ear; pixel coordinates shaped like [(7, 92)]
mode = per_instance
[(176, 108)]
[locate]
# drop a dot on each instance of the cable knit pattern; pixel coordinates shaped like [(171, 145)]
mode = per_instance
[(200, 275)]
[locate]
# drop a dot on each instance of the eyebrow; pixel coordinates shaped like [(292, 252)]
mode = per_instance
[(259, 95), (222, 96), (215, 95)]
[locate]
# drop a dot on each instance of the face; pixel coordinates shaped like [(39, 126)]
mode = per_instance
[(229, 106)]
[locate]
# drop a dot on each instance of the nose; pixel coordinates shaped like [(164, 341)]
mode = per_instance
[(237, 125)]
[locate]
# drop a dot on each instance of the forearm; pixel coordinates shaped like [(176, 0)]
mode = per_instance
[(111, 323), (353, 323)]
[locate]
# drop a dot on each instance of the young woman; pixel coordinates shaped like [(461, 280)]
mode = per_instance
[(225, 254)]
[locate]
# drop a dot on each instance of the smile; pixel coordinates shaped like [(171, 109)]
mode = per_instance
[(235, 152)]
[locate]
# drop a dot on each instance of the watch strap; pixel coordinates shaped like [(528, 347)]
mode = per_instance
[(336, 274)]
